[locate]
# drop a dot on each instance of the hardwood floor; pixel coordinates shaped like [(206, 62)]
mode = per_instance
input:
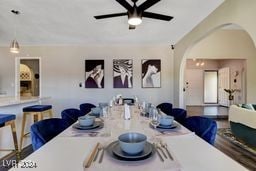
[(237, 153), (209, 111), (220, 114), (6, 161)]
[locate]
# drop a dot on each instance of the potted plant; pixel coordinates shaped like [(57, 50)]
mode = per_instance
[(230, 93)]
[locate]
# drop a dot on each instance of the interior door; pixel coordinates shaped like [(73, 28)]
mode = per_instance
[(224, 83), (194, 87)]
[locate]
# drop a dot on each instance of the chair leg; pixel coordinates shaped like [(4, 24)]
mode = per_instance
[(22, 129), (50, 113), (14, 135), (40, 116)]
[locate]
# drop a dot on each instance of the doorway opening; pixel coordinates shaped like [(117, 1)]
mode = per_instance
[(206, 84), (28, 77), (210, 87)]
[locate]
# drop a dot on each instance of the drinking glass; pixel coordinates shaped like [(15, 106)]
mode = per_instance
[(154, 117), (107, 122)]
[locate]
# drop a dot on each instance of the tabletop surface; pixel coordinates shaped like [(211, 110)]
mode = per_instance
[(72, 147)]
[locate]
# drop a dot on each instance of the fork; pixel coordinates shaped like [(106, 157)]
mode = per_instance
[(158, 153), (97, 153), (164, 145), (160, 148)]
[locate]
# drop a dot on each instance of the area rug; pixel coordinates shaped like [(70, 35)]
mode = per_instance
[(227, 134)]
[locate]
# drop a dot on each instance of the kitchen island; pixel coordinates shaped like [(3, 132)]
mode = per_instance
[(14, 105)]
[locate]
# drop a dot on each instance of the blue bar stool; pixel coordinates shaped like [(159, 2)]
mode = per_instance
[(9, 119), (37, 112)]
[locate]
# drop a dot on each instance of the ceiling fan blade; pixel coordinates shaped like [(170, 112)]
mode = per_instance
[(125, 4), (147, 4), (156, 16), (131, 27), (110, 15)]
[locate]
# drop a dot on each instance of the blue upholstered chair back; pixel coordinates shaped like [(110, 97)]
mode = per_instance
[(129, 101), (44, 130), (71, 115), (86, 107), (179, 114), (205, 128), (165, 107)]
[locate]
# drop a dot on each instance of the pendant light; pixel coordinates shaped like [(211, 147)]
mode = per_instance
[(14, 47)]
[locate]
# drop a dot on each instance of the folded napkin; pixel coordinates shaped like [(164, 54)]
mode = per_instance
[(127, 112)]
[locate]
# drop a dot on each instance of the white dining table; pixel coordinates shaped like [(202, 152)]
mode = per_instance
[(70, 149)]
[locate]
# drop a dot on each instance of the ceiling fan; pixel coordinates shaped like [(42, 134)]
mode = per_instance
[(135, 13)]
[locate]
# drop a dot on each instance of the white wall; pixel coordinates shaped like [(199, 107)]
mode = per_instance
[(63, 70), (194, 75), (232, 45), (238, 72), (239, 12)]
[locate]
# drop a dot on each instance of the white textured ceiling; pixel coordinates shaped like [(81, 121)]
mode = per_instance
[(71, 22)]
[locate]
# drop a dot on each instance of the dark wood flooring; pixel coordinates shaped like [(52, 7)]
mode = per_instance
[(12, 157), (218, 113)]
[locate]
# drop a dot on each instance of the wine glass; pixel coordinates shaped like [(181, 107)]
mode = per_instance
[(107, 122), (154, 117)]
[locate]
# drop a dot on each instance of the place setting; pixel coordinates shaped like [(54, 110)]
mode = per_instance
[(161, 122), (86, 126), (131, 150), (88, 123)]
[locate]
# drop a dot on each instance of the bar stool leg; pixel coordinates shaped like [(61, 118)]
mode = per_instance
[(40, 116), (22, 129), (14, 135), (50, 113)]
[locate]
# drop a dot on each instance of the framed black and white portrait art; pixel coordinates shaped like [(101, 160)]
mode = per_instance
[(151, 73), (94, 73), (122, 73)]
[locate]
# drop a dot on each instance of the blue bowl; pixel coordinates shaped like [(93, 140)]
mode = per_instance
[(166, 120), (86, 120), (132, 143)]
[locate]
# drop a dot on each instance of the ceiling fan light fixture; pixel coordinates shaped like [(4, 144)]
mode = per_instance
[(14, 48), (135, 21)]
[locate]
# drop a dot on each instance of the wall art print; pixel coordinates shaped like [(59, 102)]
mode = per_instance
[(94, 73), (122, 73), (151, 73)]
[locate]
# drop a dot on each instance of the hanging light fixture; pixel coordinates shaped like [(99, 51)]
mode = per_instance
[(134, 17), (14, 47)]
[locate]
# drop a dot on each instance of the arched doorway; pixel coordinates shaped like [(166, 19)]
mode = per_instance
[(28, 77), (223, 50)]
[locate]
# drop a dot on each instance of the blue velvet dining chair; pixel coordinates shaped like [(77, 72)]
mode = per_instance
[(44, 130), (205, 128), (86, 107), (71, 115), (129, 101), (165, 107), (178, 113)]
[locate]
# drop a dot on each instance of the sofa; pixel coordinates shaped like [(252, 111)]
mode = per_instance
[(242, 119)]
